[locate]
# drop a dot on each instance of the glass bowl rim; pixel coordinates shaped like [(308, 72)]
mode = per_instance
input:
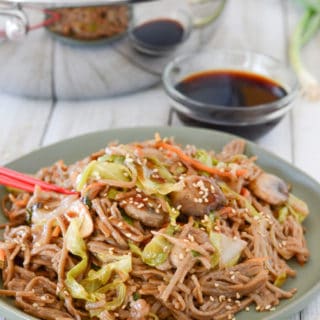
[(187, 102)]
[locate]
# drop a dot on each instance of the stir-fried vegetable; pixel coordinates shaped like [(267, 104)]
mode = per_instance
[(156, 251), (103, 170), (77, 246), (197, 164), (228, 250), (306, 28), (95, 285)]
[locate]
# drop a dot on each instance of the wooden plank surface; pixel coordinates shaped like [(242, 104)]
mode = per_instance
[(23, 123)]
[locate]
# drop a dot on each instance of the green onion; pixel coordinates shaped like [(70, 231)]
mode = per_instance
[(307, 27)]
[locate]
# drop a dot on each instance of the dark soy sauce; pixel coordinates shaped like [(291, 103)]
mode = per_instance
[(159, 33), (231, 88)]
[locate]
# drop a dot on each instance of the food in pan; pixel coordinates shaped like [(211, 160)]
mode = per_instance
[(91, 23)]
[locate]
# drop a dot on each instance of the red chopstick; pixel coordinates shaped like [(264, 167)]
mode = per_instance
[(14, 179)]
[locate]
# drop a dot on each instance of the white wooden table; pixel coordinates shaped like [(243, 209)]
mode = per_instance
[(263, 26)]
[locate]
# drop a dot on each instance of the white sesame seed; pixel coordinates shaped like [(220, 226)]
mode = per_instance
[(228, 307), (238, 296), (247, 309), (216, 285), (211, 298)]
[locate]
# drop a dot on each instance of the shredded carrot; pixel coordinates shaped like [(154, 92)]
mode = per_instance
[(2, 258), (245, 192), (72, 214), (241, 172), (56, 232), (195, 163), (2, 254)]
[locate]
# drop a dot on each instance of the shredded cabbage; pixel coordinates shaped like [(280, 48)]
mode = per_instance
[(150, 187), (156, 251), (226, 190), (76, 245), (103, 170), (228, 250), (95, 285)]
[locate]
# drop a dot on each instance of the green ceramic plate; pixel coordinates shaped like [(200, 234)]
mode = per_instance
[(308, 277)]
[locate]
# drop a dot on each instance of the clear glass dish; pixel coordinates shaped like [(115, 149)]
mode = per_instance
[(232, 117), (180, 16)]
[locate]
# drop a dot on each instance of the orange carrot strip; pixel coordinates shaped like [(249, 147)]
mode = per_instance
[(2, 258), (56, 231), (195, 163), (2, 254), (241, 172), (245, 192)]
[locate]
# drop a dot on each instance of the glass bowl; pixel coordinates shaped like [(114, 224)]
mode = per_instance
[(240, 120), (179, 16)]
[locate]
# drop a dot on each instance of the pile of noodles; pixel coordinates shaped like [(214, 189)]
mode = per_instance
[(156, 232)]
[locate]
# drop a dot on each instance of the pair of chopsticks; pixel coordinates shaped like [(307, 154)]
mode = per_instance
[(14, 179)]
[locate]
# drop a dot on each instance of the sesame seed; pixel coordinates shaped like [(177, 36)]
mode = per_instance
[(238, 296), (237, 302), (247, 309), (191, 237), (257, 308), (229, 300), (211, 298), (179, 207), (228, 307), (268, 307), (139, 195), (43, 298), (216, 285), (181, 256), (222, 298), (128, 234), (233, 277), (35, 305), (216, 228), (140, 205)]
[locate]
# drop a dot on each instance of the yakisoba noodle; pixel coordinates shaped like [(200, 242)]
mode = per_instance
[(158, 231)]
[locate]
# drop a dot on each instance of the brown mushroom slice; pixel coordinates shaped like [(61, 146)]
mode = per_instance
[(147, 216), (199, 196), (270, 188)]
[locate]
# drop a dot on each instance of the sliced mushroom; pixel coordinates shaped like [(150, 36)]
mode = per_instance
[(199, 196), (270, 188), (146, 215), (79, 210)]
